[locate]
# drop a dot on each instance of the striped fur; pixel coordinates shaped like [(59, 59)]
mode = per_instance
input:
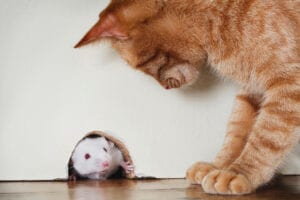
[(253, 42)]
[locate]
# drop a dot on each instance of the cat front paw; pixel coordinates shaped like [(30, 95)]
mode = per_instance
[(171, 83), (226, 182), (198, 171)]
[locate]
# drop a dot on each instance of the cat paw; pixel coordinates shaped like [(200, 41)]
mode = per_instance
[(172, 83), (198, 171), (226, 182)]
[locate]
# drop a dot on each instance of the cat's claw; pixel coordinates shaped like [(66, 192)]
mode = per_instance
[(226, 182), (198, 171)]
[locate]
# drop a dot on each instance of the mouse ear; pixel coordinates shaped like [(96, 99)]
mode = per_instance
[(111, 144), (107, 26)]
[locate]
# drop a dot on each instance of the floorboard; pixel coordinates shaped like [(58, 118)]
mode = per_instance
[(283, 188)]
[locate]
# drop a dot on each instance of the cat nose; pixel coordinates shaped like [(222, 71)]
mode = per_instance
[(105, 164)]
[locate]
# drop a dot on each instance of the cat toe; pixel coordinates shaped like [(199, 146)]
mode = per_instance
[(198, 171), (226, 182), (173, 83)]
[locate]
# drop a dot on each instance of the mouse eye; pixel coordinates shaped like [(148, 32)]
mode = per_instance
[(87, 156), (105, 149)]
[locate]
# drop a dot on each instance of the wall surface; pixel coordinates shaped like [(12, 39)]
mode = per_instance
[(52, 94)]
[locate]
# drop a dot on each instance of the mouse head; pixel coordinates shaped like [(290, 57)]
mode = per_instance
[(92, 156)]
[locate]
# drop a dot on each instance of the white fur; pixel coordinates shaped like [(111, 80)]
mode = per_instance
[(92, 168)]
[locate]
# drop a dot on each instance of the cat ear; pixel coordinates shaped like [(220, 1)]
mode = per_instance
[(107, 26)]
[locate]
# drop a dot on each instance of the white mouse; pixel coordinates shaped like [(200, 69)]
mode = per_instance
[(96, 158)]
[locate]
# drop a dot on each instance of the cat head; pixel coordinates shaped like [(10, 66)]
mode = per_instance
[(150, 35)]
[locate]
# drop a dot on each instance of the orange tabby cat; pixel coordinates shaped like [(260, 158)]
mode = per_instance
[(254, 42)]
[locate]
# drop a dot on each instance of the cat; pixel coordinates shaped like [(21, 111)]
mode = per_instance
[(255, 43)]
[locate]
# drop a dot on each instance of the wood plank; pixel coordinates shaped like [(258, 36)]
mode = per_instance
[(287, 187)]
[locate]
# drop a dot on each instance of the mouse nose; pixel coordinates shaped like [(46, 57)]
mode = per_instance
[(105, 164)]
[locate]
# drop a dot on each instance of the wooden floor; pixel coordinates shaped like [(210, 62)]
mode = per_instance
[(284, 188)]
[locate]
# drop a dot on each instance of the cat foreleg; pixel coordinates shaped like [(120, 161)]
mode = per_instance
[(272, 137), (239, 127)]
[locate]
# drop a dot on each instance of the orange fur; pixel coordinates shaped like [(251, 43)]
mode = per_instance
[(256, 43)]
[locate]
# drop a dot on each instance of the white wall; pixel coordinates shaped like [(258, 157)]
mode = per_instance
[(52, 94)]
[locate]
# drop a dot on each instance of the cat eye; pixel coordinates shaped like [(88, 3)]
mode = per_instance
[(87, 156), (105, 149)]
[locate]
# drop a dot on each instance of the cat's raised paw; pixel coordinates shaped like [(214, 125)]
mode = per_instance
[(172, 83), (226, 182), (198, 171)]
